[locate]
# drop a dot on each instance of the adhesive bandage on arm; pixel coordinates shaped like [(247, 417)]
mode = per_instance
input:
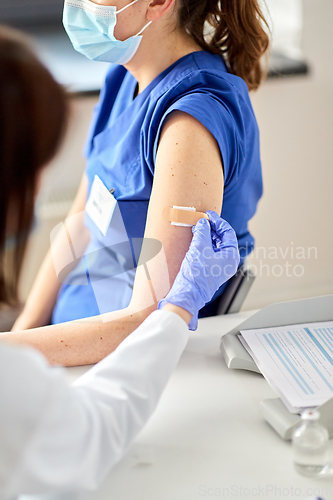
[(182, 216)]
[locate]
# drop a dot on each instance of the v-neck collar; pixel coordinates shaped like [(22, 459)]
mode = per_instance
[(125, 103), (158, 78)]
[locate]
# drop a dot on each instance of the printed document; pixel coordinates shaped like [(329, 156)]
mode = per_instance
[(296, 360)]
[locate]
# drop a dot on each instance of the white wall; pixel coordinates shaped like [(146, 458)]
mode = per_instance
[(296, 121), (285, 19)]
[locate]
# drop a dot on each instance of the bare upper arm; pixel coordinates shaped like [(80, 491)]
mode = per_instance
[(188, 172)]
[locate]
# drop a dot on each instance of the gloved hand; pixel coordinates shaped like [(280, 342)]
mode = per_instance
[(212, 259)]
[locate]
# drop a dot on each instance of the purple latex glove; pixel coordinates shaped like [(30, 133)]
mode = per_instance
[(212, 259)]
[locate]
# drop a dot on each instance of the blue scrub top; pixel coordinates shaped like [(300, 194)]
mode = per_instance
[(121, 149)]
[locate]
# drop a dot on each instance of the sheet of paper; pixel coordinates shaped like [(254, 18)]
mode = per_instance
[(296, 360)]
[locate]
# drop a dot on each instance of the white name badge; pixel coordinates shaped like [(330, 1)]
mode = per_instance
[(100, 205)]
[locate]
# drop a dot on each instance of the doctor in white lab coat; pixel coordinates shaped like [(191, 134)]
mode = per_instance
[(57, 437)]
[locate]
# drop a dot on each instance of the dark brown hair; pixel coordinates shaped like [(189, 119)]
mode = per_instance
[(239, 33), (33, 115)]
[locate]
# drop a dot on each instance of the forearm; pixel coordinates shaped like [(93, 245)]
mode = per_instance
[(42, 298), (185, 315), (43, 295), (86, 341), (81, 342)]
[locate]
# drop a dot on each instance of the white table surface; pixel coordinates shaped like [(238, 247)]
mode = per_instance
[(207, 438)]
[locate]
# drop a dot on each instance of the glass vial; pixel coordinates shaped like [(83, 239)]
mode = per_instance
[(310, 445)]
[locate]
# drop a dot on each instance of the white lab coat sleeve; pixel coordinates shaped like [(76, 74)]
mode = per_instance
[(71, 436)]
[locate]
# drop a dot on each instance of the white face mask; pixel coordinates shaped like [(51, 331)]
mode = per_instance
[(90, 28)]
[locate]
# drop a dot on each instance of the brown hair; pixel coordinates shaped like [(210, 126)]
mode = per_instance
[(33, 115), (239, 33)]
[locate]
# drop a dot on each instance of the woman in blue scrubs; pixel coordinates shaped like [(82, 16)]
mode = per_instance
[(174, 126)]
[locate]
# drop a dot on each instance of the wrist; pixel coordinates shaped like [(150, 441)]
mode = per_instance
[(183, 313)]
